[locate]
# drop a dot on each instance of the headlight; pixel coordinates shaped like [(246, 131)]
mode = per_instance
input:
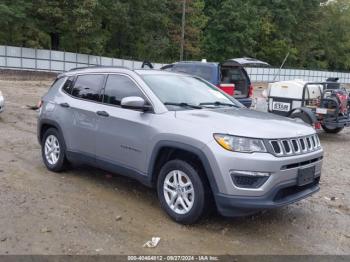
[(240, 144)]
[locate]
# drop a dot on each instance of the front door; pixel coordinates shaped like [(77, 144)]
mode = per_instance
[(123, 134)]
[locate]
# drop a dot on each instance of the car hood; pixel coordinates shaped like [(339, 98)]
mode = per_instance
[(245, 122)]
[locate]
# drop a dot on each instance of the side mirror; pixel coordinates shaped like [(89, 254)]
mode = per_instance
[(135, 102)]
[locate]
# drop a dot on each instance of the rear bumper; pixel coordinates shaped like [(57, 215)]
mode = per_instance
[(247, 102), (282, 195)]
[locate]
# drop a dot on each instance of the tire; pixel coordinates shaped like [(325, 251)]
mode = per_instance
[(332, 130), (56, 160), (196, 202)]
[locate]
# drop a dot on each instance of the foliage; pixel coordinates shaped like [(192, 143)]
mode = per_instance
[(314, 32)]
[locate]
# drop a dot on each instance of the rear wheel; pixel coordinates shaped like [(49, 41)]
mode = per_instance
[(182, 192), (332, 130), (53, 151)]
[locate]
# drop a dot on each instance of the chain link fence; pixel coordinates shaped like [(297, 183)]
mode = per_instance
[(21, 58)]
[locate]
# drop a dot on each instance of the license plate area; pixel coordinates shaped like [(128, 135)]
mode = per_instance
[(306, 175), (321, 111), (281, 106)]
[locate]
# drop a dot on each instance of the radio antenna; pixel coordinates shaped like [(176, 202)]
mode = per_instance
[(279, 71)]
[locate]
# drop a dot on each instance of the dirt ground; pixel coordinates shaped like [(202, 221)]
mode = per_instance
[(89, 211)]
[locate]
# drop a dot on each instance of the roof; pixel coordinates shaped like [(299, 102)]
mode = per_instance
[(198, 63), (156, 72), (96, 69), (247, 61), (244, 61), (114, 69)]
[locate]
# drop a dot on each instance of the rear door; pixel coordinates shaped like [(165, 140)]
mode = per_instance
[(236, 75), (233, 72), (86, 93)]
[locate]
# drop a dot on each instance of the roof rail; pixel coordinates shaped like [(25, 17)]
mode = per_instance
[(94, 67)]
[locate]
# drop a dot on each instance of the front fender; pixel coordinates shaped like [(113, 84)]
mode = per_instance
[(197, 150)]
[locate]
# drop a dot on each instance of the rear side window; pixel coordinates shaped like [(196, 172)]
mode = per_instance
[(58, 82), (183, 69), (68, 85), (203, 71), (88, 87), (119, 87)]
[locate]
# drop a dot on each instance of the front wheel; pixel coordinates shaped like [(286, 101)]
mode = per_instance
[(332, 130), (182, 192)]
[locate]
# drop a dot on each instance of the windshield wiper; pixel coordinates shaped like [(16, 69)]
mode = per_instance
[(182, 105), (217, 103)]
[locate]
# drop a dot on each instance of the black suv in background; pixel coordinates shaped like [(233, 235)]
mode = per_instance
[(230, 76)]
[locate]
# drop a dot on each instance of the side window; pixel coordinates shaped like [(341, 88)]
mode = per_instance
[(168, 68), (118, 87), (183, 69), (68, 85), (205, 72), (58, 82), (88, 87)]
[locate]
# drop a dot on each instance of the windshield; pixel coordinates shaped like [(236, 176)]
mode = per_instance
[(187, 91)]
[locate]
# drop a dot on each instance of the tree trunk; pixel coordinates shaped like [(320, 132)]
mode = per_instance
[(55, 41)]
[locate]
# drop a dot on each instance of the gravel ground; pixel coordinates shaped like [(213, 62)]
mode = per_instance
[(89, 211)]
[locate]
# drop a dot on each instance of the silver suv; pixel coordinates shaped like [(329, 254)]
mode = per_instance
[(197, 146)]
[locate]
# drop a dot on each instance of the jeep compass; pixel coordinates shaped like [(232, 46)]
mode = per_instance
[(196, 145)]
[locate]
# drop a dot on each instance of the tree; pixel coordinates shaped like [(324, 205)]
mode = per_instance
[(51, 17), (16, 26), (314, 32), (335, 35), (232, 29)]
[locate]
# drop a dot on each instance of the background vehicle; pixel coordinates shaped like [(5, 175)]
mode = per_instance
[(2, 102), (319, 104), (181, 135), (230, 76)]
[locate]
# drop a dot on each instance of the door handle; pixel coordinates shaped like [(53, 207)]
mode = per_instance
[(102, 113), (65, 105)]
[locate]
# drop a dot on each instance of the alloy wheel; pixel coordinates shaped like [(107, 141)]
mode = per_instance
[(52, 150), (179, 192)]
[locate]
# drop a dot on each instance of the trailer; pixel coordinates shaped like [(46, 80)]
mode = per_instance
[(320, 104)]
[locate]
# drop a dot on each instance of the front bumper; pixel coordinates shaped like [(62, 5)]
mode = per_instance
[(278, 190), (282, 195)]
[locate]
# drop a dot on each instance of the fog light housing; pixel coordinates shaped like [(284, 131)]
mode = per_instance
[(248, 179)]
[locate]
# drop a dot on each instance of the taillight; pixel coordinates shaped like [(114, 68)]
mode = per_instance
[(40, 104), (317, 125), (251, 91), (228, 88)]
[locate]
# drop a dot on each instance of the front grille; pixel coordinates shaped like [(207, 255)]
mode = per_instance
[(300, 164), (295, 146)]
